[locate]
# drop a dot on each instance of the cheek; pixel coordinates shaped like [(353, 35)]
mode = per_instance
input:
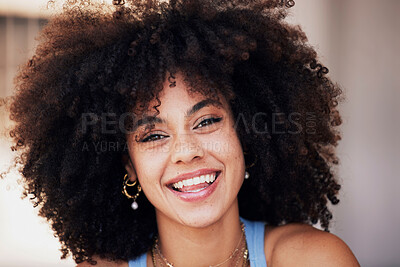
[(148, 166), (226, 145)]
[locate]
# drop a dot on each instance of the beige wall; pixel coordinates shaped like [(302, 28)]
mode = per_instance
[(358, 41)]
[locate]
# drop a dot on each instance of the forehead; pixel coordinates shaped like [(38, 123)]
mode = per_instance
[(178, 100), (179, 96), (174, 103)]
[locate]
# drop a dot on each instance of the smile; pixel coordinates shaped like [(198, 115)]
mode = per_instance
[(195, 184)]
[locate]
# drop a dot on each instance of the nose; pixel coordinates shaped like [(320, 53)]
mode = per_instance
[(186, 148)]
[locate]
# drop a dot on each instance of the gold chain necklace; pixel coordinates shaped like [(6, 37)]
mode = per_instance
[(242, 241)]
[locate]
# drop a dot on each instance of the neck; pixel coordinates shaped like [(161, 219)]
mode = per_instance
[(194, 246)]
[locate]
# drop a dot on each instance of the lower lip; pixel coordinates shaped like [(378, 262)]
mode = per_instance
[(197, 196)]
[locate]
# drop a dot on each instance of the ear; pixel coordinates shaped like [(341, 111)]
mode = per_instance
[(126, 161)]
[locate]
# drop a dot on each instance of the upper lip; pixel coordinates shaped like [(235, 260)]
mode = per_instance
[(192, 174)]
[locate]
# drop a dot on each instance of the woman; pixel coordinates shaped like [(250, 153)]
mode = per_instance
[(176, 104)]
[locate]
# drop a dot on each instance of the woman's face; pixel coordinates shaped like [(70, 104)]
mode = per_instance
[(190, 165)]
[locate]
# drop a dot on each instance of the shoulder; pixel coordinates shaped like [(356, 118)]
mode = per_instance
[(303, 245), (103, 263)]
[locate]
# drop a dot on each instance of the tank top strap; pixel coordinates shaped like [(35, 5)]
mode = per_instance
[(255, 242), (140, 261)]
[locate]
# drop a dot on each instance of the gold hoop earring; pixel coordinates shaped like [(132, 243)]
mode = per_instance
[(125, 192)]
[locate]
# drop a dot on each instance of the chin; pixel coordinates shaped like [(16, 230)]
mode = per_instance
[(207, 215), (199, 219), (198, 223)]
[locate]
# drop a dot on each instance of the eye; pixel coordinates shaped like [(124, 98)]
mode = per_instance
[(208, 121), (152, 137)]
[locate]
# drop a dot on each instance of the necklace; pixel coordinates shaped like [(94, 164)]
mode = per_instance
[(241, 246)]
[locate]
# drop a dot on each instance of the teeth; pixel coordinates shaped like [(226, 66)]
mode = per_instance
[(208, 178), (212, 178)]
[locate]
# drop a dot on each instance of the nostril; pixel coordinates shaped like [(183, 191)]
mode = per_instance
[(185, 152)]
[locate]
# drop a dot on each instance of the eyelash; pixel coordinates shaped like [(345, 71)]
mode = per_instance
[(209, 121), (152, 137), (156, 137)]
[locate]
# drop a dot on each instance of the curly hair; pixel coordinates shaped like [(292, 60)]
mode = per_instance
[(93, 62)]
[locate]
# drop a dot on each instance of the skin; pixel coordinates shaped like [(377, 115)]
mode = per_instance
[(190, 230), (303, 245)]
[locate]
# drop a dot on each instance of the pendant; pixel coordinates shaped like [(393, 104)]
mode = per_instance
[(135, 205)]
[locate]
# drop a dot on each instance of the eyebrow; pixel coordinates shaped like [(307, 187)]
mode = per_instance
[(202, 104), (146, 120)]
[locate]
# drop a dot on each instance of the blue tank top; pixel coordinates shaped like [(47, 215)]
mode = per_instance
[(255, 243)]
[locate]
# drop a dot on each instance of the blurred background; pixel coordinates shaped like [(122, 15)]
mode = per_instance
[(358, 40)]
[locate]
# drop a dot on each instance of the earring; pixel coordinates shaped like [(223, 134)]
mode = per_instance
[(125, 192), (253, 159)]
